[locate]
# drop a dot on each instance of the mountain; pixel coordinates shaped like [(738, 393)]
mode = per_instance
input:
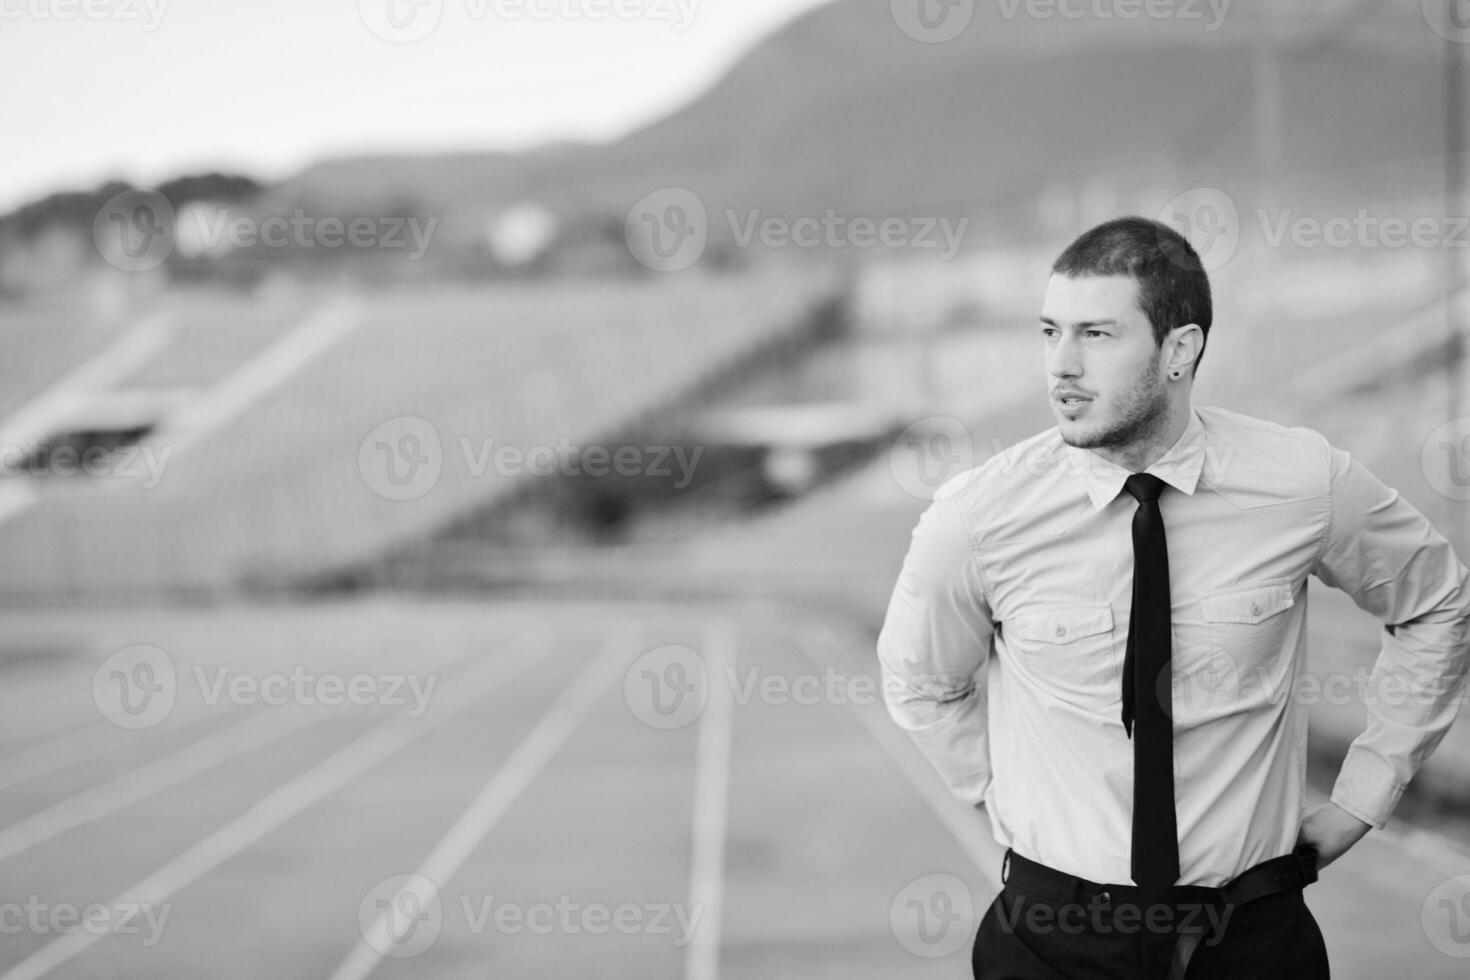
[(841, 109)]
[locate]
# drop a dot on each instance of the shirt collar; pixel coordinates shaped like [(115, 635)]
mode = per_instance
[(1179, 467)]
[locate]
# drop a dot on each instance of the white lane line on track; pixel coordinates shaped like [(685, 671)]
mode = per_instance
[(242, 736), (291, 798), (66, 749), (711, 817), (63, 750), (239, 736), (85, 744), (967, 825), (56, 753), (495, 799)]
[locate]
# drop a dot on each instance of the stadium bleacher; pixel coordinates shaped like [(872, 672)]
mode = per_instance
[(263, 482)]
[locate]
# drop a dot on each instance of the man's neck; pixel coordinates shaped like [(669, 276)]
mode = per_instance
[(1154, 441)]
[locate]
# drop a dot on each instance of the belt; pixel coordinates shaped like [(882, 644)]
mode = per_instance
[(1290, 872)]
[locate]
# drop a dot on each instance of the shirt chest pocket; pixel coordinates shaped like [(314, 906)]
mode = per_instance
[(1069, 651), (1247, 628)]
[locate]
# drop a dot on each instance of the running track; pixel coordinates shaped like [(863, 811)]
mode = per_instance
[(573, 801)]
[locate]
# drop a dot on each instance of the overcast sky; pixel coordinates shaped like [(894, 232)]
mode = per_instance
[(145, 89)]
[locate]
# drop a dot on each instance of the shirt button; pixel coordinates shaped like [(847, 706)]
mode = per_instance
[(1255, 609), (1061, 630)]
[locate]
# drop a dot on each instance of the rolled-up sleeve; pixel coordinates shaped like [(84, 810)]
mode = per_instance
[(1386, 555), (936, 636)]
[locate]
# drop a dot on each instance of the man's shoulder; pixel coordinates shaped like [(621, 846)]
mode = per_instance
[(1225, 420), (1232, 437), (1297, 453), (1004, 470)]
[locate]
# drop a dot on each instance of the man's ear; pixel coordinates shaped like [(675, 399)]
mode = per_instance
[(1186, 342)]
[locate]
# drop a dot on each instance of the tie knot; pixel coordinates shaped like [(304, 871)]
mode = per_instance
[(1144, 487)]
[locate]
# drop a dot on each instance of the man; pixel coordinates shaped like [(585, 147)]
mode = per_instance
[(1095, 635)]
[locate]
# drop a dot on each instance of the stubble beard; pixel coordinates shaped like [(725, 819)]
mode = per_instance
[(1140, 413)]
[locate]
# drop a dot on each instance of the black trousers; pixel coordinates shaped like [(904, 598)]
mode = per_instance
[(1023, 937)]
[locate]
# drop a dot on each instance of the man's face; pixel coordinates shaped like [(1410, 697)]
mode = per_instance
[(1099, 343)]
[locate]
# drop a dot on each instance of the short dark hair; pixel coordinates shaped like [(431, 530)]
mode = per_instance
[(1173, 288)]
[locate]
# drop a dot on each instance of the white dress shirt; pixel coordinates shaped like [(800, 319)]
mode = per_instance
[(1002, 650)]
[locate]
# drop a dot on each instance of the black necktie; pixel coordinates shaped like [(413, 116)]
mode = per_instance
[(1147, 682)]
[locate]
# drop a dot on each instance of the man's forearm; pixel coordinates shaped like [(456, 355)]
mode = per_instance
[(949, 732), (1417, 687)]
